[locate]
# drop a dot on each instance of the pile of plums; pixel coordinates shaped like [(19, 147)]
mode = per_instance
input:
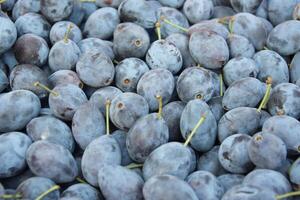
[(149, 99)]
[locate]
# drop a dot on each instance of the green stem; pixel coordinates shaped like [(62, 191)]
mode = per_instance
[(174, 25), (55, 187), (289, 194), (157, 25), (11, 196), (40, 85), (160, 105), (267, 94), (230, 25), (201, 120), (221, 84), (80, 180), (66, 37), (134, 165)]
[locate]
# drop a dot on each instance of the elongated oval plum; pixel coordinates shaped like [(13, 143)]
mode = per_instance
[(13, 147), (59, 29), (246, 92), (117, 181), (83, 191), (43, 161), (33, 187), (240, 46), (102, 150), (171, 158), (209, 49), (69, 98), (148, 133), (126, 109), (51, 129), (8, 34), (17, 108), (63, 77), (285, 98), (283, 38), (167, 187), (205, 135), (87, 124)]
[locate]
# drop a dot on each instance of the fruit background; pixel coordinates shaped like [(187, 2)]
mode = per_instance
[(149, 99)]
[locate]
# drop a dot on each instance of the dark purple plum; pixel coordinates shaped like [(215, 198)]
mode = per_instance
[(77, 13), (173, 15), (285, 98), (33, 23), (181, 41), (271, 64), (120, 136), (268, 180), (238, 68), (233, 154), (117, 181), (4, 82), (64, 54), (31, 49), (101, 23), (8, 5), (167, 187), (102, 150), (211, 26), (128, 73), (267, 151), (230, 180), (287, 128), (126, 109), (195, 83), (164, 54), (130, 40), (52, 130), (97, 45), (23, 77), (240, 46), (222, 11), (294, 172), (147, 134), (205, 185), (171, 113), (100, 96), (209, 49), (238, 120), (205, 136), (13, 147), (171, 158), (283, 37), (22, 7), (67, 100), (156, 82), (251, 27), (56, 11), (246, 92), (216, 107), (209, 162), (14, 181), (63, 77), (87, 124), (42, 160), (197, 11), (17, 108), (33, 187), (8, 34), (58, 31), (140, 12), (248, 192), (278, 12), (82, 191), (245, 6), (95, 69)]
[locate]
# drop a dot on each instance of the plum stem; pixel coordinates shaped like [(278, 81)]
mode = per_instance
[(160, 105), (158, 32), (289, 194), (11, 196), (134, 165), (162, 18), (201, 120), (66, 37), (55, 187), (107, 107), (230, 24), (221, 84), (40, 85), (116, 62), (267, 94), (266, 48), (80, 180)]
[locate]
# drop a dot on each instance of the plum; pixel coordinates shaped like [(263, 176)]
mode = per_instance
[(64, 77), (83, 191), (97, 45), (22, 7), (197, 11), (58, 31), (120, 136), (230, 180), (8, 34), (56, 11), (240, 46)]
